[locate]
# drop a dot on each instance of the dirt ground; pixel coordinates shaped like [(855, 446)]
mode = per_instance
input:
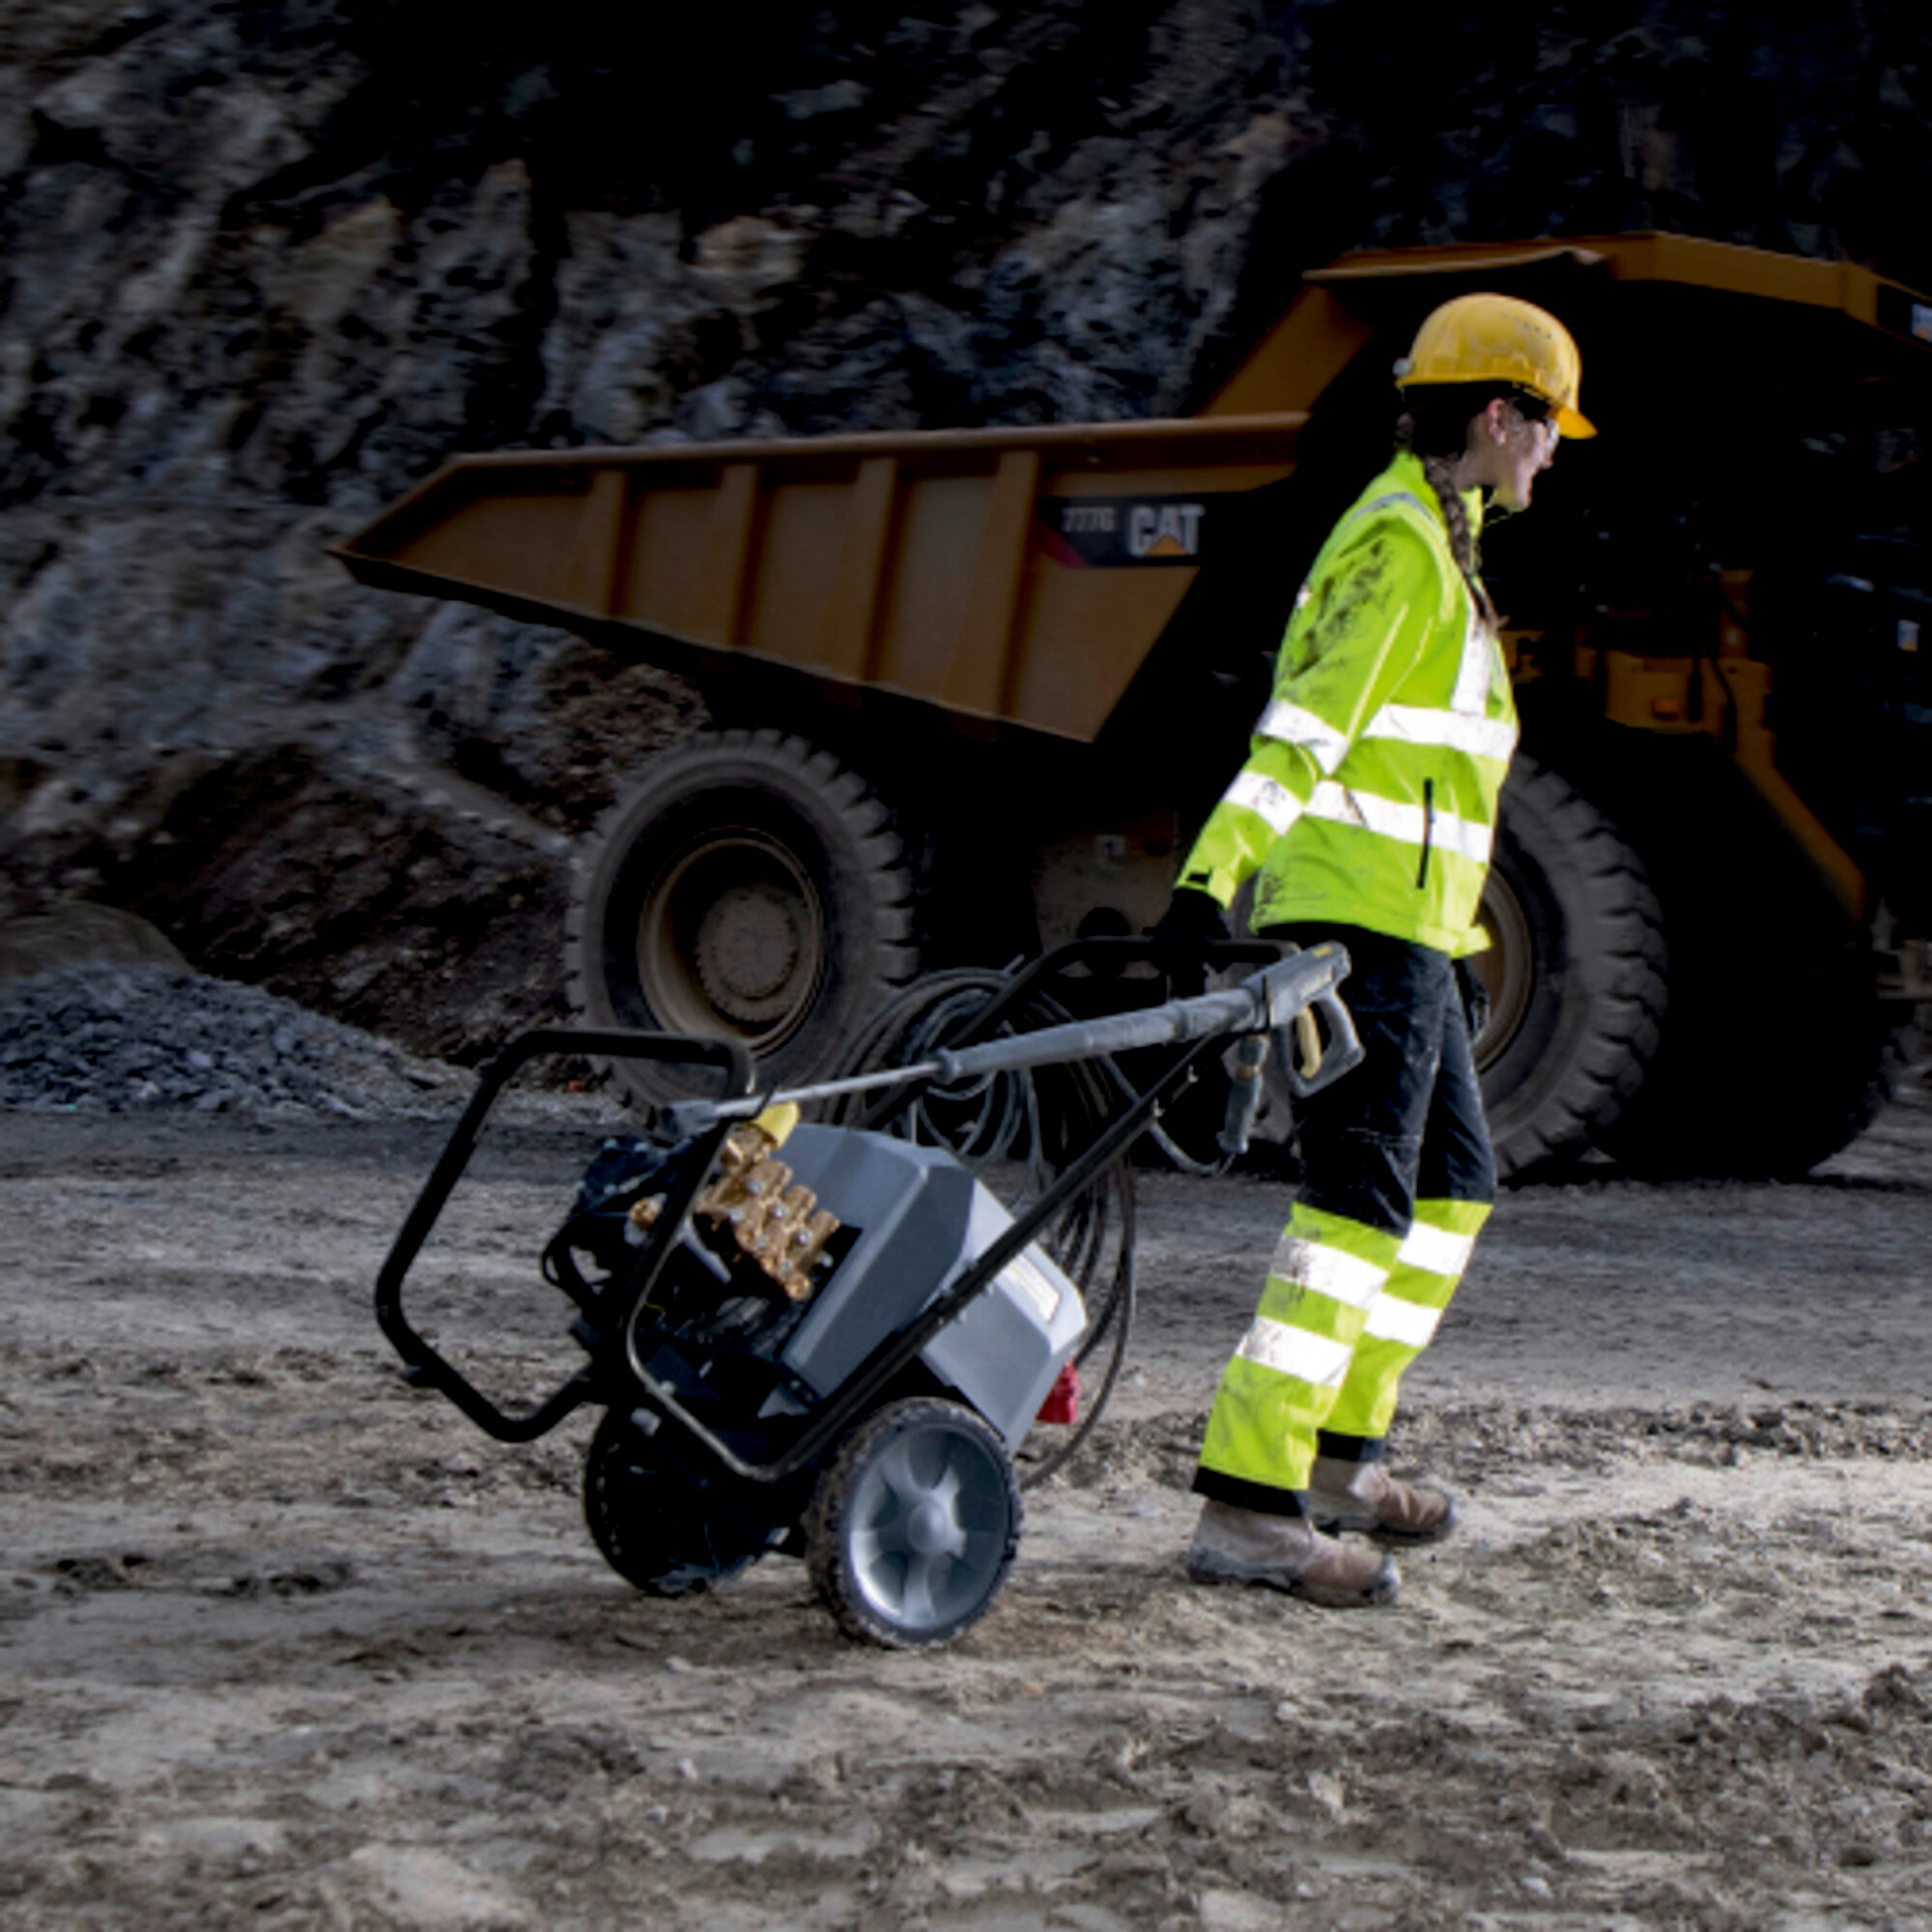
[(285, 1642)]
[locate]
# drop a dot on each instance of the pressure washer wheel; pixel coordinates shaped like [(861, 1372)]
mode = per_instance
[(649, 1523), (914, 1524)]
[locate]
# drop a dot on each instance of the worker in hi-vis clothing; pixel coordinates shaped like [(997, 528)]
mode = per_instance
[(1365, 813)]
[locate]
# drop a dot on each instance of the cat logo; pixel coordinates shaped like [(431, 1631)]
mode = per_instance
[(1164, 529), (1124, 532)]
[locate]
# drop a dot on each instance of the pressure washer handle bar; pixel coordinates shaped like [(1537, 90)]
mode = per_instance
[(1103, 956), (1265, 1001)]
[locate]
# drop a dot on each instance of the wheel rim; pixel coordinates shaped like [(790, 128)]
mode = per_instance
[(1506, 967), (731, 939), (928, 1528)]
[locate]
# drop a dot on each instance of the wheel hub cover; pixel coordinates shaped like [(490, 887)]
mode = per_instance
[(931, 1530), (750, 952)]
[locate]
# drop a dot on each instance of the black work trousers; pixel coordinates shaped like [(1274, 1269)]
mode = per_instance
[(1407, 1124)]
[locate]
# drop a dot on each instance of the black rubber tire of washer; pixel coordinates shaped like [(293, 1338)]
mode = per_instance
[(647, 1523), (829, 1521), (798, 799), (1583, 1040)]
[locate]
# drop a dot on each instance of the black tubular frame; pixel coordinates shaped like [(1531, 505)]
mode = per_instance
[(616, 1359), (429, 1367)]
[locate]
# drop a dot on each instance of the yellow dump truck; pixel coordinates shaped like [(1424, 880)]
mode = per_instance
[(973, 690)]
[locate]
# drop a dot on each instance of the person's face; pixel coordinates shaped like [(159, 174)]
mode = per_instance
[(1513, 449)]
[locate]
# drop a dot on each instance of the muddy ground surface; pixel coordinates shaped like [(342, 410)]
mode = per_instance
[(285, 1642)]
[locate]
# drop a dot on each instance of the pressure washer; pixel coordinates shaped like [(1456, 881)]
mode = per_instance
[(831, 1339)]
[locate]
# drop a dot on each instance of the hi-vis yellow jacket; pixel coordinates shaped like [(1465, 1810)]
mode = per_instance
[(1369, 797)]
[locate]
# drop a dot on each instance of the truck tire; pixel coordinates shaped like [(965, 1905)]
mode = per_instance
[(752, 886), (1764, 1074), (1575, 971)]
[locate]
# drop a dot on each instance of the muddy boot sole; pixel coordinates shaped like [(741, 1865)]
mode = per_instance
[(1205, 1567)]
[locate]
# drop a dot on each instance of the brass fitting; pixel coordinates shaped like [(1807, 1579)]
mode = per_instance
[(779, 1226)]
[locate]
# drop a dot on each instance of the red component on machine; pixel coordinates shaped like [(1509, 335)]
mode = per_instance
[(1063, 1399)]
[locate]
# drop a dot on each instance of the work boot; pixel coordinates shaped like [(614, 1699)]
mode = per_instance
[(1344, 1495), (1286, 1553)]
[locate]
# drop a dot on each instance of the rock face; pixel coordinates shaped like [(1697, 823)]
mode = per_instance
[(267, 265)]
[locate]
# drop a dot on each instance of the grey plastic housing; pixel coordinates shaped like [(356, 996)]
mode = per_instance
[(921, 1220)]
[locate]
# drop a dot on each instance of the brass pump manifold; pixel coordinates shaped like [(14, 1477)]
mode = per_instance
[(779, 1226)]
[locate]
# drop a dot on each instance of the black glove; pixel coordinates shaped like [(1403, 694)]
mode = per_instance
[(1192, 922)]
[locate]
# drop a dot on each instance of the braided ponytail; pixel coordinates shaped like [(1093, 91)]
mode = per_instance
[(1434, 434), (1454, 514)]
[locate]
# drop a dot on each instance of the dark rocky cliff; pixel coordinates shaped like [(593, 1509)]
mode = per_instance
[(265, 265)]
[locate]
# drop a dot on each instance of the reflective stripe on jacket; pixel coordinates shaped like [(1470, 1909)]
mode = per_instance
[(1369, 796)]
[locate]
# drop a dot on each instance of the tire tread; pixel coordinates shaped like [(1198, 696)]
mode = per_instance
[(825, 1524), (1627, 993), (885, 910)]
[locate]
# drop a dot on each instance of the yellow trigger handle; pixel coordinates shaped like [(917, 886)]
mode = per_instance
[(1308, 1037)]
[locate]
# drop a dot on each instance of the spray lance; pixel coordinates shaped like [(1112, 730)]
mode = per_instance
[(1288, 994)]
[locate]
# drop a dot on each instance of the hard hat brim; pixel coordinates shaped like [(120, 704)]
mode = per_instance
[(1573, 423)]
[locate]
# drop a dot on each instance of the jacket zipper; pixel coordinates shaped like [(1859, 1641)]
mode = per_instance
[(1428, 831)]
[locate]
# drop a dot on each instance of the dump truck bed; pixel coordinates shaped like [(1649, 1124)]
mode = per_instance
[(1015, 577)]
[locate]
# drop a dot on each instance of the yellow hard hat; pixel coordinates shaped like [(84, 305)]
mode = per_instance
[(1499, 340)]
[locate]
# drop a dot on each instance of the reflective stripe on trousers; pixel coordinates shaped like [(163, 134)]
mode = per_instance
[(1285, 1376), (1346, 1309), (1396, 1182), (1402, 1318)]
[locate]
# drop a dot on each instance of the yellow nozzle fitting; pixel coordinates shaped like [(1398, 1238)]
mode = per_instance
[(778, 1123)]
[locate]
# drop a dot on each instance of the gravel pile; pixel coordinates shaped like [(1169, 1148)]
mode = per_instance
[(105, 1038)]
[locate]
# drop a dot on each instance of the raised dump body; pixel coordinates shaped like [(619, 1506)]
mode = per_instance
[(1010, 577), (973, 686)]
